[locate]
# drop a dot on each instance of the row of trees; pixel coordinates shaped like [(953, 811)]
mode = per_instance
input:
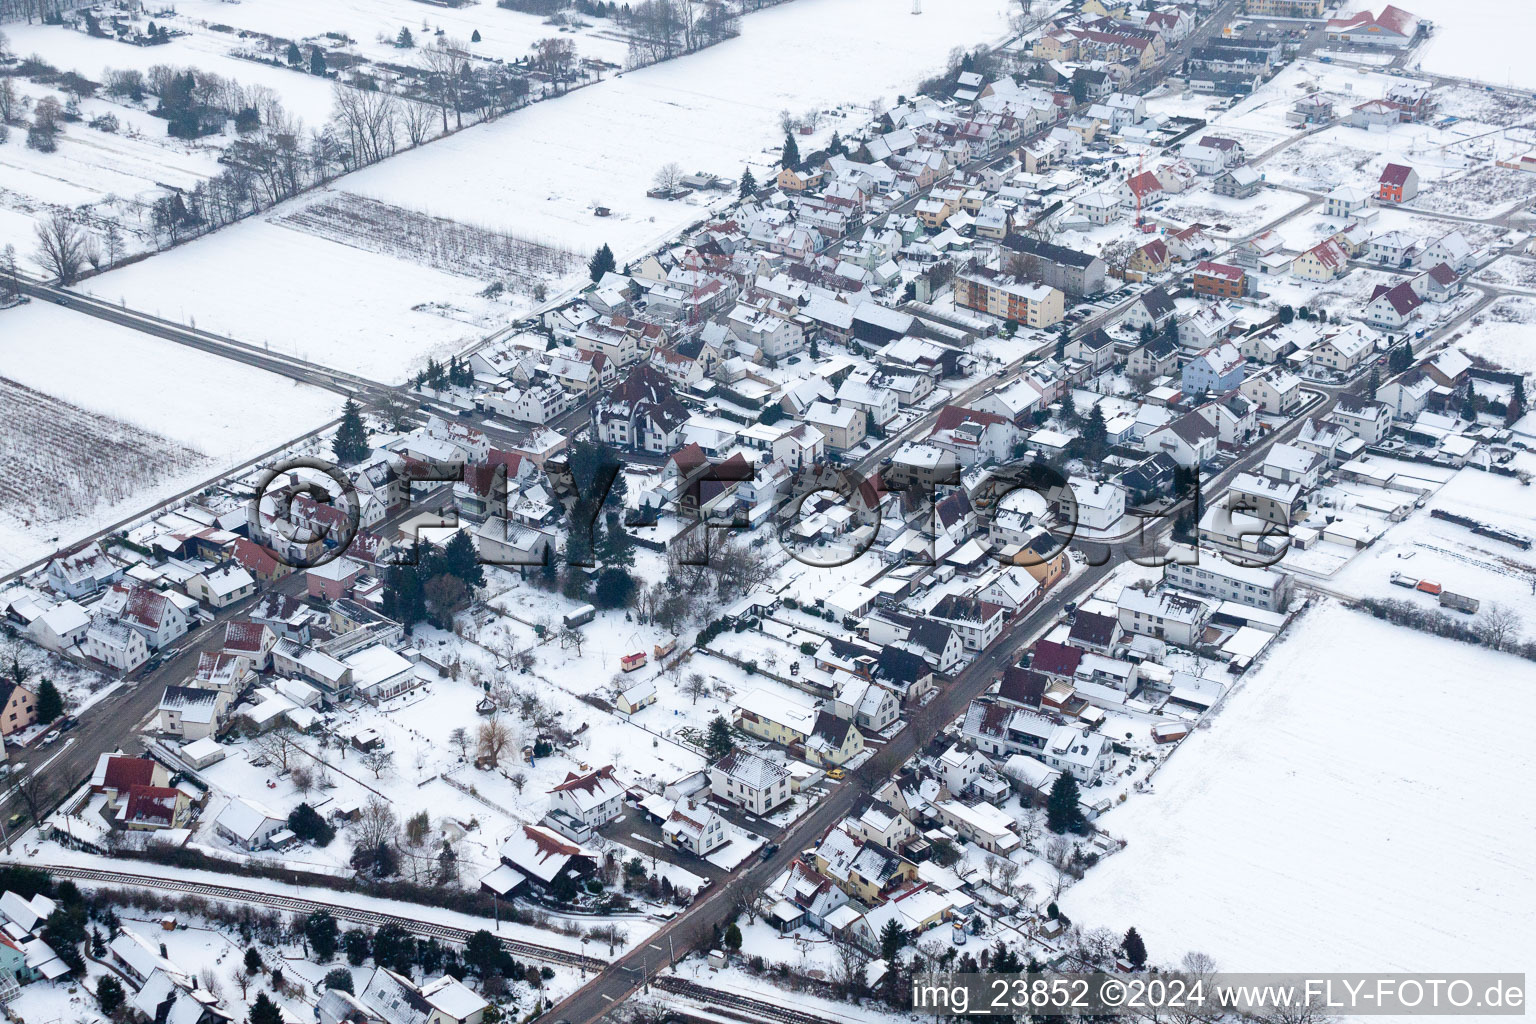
[(662, 29)]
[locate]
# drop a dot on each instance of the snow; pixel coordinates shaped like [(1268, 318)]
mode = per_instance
[(538, 173), (225, 411), (1388, 803), (1502, 334), (1478, 39)]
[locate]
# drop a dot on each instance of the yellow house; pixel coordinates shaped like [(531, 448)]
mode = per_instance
[(1056, 46), (1151, 258), (833, 740), (773, 718), (799, 181), (1105, 10)]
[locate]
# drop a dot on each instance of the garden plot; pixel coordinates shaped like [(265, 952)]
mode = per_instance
[(1232, 218), (1504, 334), (1347, 728), (1481, 192), (88, 411), (1513, 272)]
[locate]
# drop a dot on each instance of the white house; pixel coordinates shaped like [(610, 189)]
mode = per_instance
[(247, 824), (694, 827), (754, 783), (593, 799), (1160, 614), (115, 645)]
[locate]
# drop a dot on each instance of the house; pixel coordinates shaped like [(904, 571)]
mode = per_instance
[(988, 827), (1408, 395), (977, 622), (453, 1002), (221, 587), (1344, 350), (1095, 348), (1345, 202), (1367, 419), (1094, 632), (1189, 440), (1152, 309), (1393, 307), (1237, 182), (151, 808), (1451, 249), (753, 783), (18, 706), (252, 641), (1393, 249), (1155, 358), (1266, 498), (1398, 184), (1151, 258), (152, 614), (247, 824), (1208, 326), (1439, 283), (1313, 109), (60, 627), (842, 426), (593, 798), (1220, 280), (694, 828), (1274, 391), (82, 572), (1162, 615), (192, 713), (546, 857), (1325, 261), (641, 413), (1291, 464), (865, 703), (633, 698), (833, 740), (1217, 370), (115, 645), (1216, 577)]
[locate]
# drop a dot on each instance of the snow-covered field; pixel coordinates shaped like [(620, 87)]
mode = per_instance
[(538, 173), (220, 411), (1480, 39), (1391, 830), (1504, 335)]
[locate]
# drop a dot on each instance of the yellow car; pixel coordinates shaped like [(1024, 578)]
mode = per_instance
[(837, 774)]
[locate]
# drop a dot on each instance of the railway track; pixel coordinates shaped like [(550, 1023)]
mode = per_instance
[(340, 911), (744, 1007), (725, 1003)]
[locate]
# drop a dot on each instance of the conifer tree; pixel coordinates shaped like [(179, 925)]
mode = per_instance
[(1062, 813), (748, 184), (351, 443), (791, 155), (602, 262)]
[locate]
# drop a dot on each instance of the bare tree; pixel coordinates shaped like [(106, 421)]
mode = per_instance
[(447, 74), (303, 778), (278, 744), (696, 685), (368, 119), (518, 780), (37, 792), (376, 825), (416, 119), (378, 760), (460, 738), (852, 959), (392, 408), (1499, 627), (492, 740), (669, 177), (571, 638), (61, 247)]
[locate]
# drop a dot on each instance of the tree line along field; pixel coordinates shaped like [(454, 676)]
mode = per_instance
[(437, 242)]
